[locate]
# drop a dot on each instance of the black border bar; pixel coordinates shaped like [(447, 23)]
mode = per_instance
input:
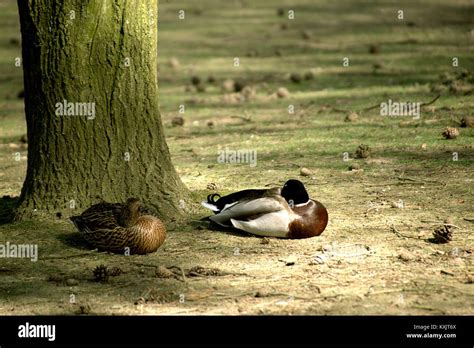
[(242, 330)]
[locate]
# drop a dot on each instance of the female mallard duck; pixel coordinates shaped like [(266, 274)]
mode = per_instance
[(283, 213), (115, 227)]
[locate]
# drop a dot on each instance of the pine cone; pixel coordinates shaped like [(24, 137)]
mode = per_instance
[(450, 133), (351, 117), (374, 49), (282, 92), (443, 234), (196, 80), (177, 121), (363, 151), (83, 309), (212, 186), (467, 121), (101, 274), (295, 78)]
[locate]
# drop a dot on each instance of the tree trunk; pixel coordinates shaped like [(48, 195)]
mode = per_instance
[(99, 59)]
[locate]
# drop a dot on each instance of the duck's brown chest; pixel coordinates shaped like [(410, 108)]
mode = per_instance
[(312, 221)]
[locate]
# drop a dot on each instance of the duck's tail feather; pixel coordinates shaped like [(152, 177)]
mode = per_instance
[(211, 206), (79, 223), (210, 203)]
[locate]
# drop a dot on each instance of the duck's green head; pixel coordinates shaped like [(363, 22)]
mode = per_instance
[(294, 191)]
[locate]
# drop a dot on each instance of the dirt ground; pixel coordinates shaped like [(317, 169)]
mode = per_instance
[(372, 259), (376, 256)]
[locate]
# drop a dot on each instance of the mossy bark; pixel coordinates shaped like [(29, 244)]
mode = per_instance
[(101, 52)]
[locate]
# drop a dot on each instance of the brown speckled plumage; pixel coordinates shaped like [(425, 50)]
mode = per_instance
[(115, 227)]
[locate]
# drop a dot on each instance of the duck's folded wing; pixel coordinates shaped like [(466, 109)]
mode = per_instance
[(107, 212), (247, 209), (274, 224), (91, 222)]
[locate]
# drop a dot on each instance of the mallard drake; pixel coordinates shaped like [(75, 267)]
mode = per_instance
[(285, 213), (115, 227)]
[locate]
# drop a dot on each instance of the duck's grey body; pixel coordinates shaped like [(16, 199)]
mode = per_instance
[(268, 213)]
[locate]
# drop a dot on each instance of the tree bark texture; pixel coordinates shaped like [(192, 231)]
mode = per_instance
[(96, 55)]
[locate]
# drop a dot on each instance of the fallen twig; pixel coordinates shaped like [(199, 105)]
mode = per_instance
[(183, 275), (403, 178), (339, 110), (381, 184), (394, 230), (180, 311), (389, 291), (291, 164), (371, 208), (317, 183), (446, 272), (413, 181), (181, 251), (406, 182), (246, 119), (431, 102), (406, 178), (247, 282), (426, 308), (451, 225), (371, 107)]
